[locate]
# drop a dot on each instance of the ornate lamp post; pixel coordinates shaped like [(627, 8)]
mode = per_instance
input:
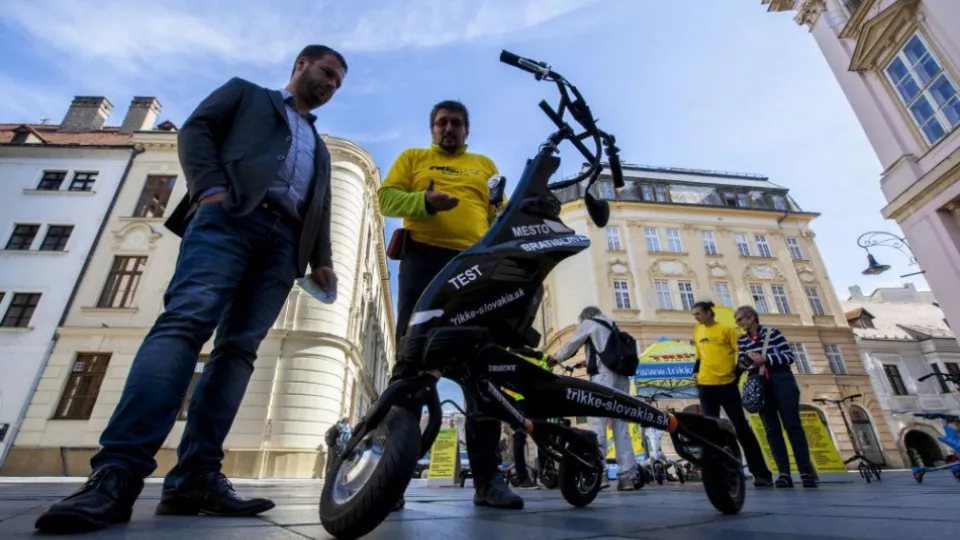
[(872, 239)]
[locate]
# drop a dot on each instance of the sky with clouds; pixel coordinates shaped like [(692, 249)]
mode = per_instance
[(698, 84)]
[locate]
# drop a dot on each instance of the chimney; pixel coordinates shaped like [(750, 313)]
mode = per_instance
[(86, 113), (142, 114), (856, 293)]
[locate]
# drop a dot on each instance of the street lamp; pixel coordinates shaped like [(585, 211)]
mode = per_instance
[(871, 239)]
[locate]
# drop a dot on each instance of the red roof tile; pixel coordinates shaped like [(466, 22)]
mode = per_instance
[(50, 133)]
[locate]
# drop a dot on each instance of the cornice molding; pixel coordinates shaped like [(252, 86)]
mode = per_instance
[(879, 33)]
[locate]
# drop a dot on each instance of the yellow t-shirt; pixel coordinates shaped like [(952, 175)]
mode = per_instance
[(463, 175), (717, 351)]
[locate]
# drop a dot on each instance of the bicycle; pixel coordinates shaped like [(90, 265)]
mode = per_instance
[(657, 462), (950, 438), (868, 469), (485, 301)]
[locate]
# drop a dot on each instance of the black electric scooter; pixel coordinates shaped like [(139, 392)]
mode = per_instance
[(485, 301)]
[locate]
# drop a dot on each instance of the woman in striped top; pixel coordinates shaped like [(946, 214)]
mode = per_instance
[(781, 409)]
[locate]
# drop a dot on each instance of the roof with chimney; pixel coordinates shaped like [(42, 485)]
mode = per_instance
[(84, 124)]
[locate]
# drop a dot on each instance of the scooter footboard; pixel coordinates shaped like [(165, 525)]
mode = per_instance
[(568, 396)]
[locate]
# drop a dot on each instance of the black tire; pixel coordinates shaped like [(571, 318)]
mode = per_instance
[(918, 476), (579, 485), (680, 476), (399, 436), (724, 482), (640, 479), (876, 472), (659, 473)]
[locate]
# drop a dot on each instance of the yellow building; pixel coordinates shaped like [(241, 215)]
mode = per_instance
[(318, 363), (677, 236)]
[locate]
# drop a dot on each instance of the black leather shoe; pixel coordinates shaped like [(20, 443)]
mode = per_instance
[(211, 494), (107, 497), (495, 493)]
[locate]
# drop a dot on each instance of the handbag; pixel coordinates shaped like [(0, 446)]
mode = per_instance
[(755, 388), (397, 248)]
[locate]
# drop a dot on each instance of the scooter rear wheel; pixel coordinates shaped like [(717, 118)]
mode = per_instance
[(366, 484), (723, 481), (579, 484)]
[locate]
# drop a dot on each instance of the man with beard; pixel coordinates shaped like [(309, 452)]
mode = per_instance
[(441, 193), (257, 213)]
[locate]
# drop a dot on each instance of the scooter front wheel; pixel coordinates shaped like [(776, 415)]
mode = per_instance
[(366, 484)]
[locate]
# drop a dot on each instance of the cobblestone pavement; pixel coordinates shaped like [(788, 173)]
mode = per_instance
[(843, 507)]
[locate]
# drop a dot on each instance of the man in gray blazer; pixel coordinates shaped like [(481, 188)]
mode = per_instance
[(256, 214)]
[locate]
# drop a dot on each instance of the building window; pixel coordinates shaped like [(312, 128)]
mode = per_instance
[(709, 243), (835, 359), (80, 394), (20, 310), (743, 247), (122, 281), (605, 190), (813, 296), (83, 181), (155, 196), (51, 180), (674, 243), (653, 238), (895, 379), (723, 294), (924, 89), (621, 293), (197, 370), (646, 192), (944, 388), (686, 295), (759, 298), (780, 298), (952, 367), (22, 237), (800, 358), (779, 203), (763, 248), (663, 294), (796, 253), (56, 238), (613, 239), (662, 192)]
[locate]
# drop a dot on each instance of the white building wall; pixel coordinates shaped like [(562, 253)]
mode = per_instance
[(50, 273)]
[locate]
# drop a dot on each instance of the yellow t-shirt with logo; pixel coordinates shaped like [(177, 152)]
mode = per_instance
[(461, 174), (717, 351)]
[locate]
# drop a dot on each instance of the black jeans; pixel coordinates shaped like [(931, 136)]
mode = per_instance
[(727, 396), (419, 266), (781, 412)]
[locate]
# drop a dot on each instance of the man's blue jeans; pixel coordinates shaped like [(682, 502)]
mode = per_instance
[(234, 275)]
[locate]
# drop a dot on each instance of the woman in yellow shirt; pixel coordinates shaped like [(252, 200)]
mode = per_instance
[(715, 374)]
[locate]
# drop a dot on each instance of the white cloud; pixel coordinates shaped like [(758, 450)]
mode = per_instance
[(26, 102), (132, 37)]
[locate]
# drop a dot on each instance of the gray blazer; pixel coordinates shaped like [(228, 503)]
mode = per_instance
[(234, 139)]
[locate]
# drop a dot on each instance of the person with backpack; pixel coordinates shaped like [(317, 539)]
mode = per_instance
[(612, 359), (716, 374)]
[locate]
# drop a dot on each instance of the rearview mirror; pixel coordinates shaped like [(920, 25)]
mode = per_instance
[(598, 209)]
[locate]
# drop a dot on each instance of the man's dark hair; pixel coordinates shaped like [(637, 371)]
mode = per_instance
[(450, 105), (316, 52), (705, 305)]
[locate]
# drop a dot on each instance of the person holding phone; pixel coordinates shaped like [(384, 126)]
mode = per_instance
[(443, 196)]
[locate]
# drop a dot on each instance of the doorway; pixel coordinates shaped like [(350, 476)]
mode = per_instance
[(922, 449)]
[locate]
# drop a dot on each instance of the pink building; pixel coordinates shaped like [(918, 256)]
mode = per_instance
[(897, 63)]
